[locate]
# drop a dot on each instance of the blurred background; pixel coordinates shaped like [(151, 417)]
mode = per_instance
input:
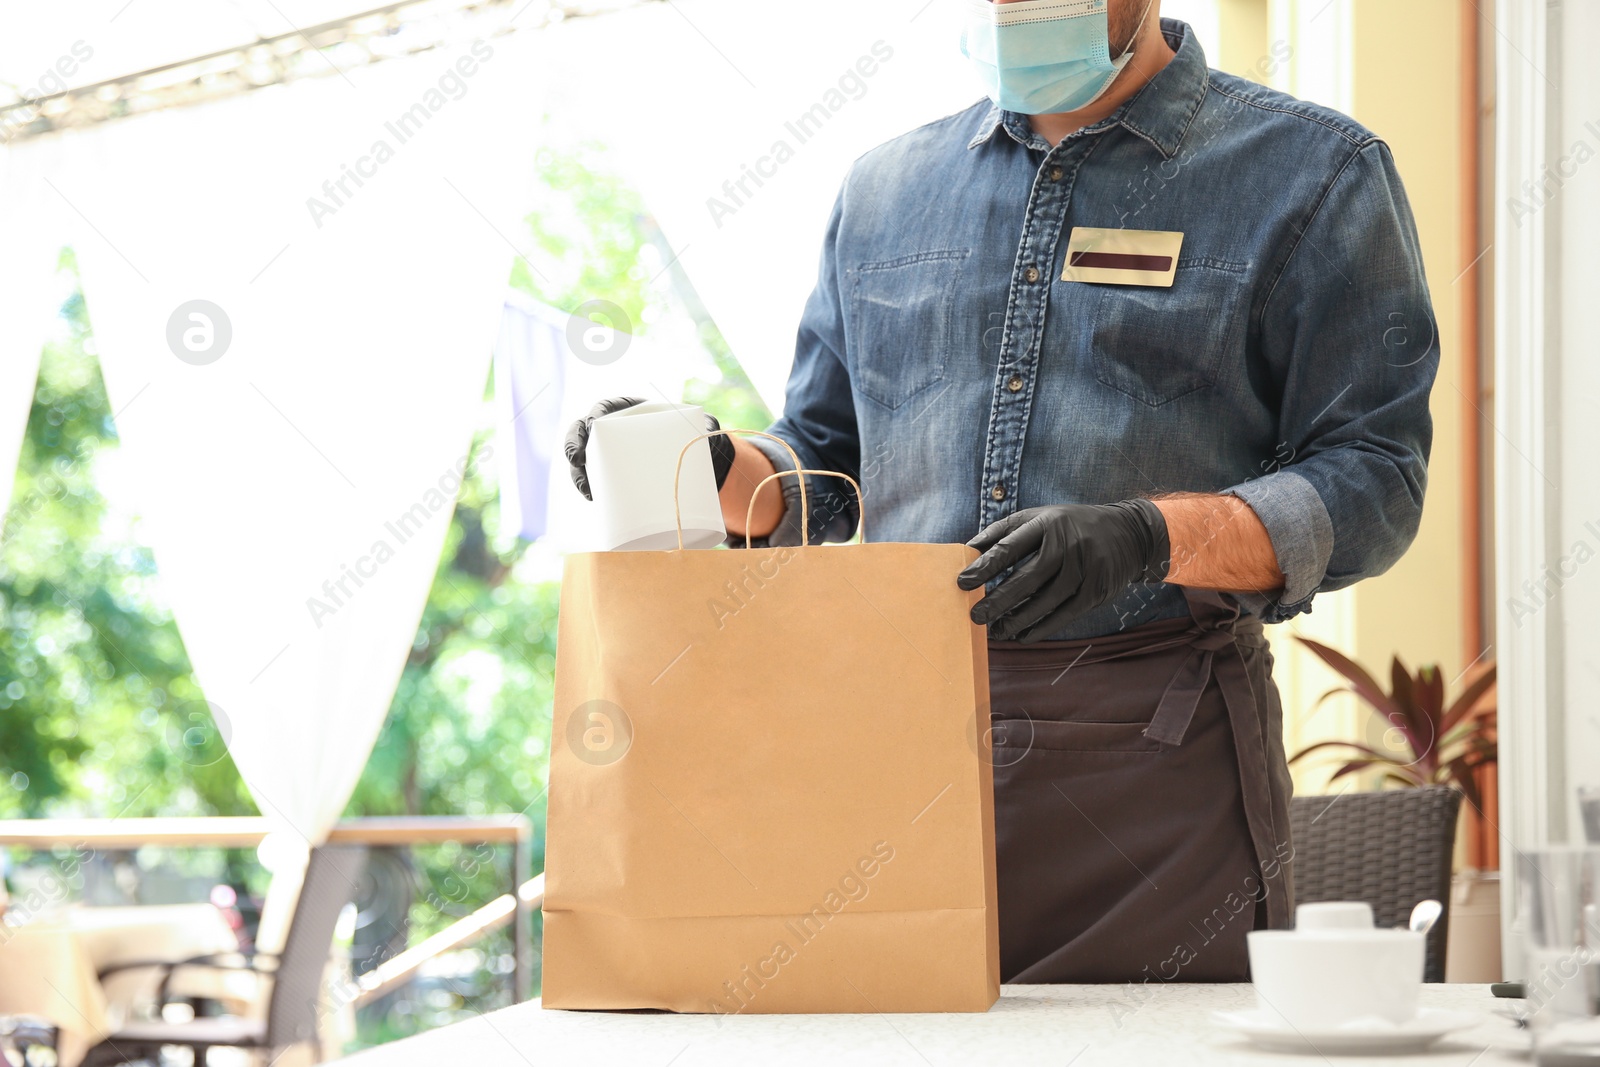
[(420, 238)]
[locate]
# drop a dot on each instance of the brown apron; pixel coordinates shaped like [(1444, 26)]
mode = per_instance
[(1141, 800)]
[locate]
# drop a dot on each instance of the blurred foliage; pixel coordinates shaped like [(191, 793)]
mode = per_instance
[(586, 241), (593, 239), (731, 397), (100, 714)]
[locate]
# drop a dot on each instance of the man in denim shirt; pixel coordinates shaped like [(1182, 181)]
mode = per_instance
[(1163, 356)]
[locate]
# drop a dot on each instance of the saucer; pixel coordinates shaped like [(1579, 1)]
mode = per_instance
[(1359, 1036)]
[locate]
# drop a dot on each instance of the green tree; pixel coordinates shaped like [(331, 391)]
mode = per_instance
[(593, 238)]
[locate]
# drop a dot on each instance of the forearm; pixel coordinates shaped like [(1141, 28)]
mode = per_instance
[(750, 466), (1218, 542)]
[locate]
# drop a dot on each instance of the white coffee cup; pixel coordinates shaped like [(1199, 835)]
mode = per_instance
[(1329, 971), (1334, 915), (632, 459)]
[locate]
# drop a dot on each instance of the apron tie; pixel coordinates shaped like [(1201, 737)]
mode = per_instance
[(1215, 652), (1214, 633)]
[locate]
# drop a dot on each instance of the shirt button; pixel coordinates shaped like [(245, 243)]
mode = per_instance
[(998, 492), (1056, 173), (1032, 274), (1014, 383)]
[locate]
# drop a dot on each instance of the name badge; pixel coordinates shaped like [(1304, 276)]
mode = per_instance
[(1122, 257)]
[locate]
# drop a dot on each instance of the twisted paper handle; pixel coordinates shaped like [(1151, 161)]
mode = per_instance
[(805, 524), (677, 476), (861, 504)]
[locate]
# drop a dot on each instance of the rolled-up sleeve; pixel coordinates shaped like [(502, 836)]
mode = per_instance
[(819, 419), (1351, 343)]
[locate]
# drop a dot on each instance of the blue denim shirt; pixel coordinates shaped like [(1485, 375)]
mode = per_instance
[(942, 362)]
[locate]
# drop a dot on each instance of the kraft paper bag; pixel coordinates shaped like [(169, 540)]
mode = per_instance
[(770, 788)]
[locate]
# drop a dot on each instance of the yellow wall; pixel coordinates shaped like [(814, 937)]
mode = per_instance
[(1407, 88), (1243, 40)]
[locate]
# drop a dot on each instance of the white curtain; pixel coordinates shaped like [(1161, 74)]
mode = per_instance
[(699, 97), (351, 238), (692, 94)]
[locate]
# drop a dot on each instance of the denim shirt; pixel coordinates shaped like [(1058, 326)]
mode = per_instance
[(943, 363)]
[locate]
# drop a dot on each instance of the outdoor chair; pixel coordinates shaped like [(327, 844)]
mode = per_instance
[(1390, 849), (28, 1041), (295, 974)]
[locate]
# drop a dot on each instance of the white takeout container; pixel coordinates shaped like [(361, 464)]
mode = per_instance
[(632, 458), (1330, 972)]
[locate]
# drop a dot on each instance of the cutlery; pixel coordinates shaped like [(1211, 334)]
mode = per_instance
[(1424, 915)]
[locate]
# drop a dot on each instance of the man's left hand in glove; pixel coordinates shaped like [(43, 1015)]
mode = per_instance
[(1069, 559)]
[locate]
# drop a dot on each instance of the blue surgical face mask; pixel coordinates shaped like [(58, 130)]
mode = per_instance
[(1041, 57)]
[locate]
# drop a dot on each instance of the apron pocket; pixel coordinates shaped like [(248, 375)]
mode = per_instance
[(1014, 738)]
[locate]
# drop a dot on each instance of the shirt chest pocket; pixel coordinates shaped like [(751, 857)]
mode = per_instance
[(1156, 344), (902, 324)]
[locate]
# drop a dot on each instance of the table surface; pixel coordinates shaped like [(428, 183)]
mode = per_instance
[(1080, 1026)]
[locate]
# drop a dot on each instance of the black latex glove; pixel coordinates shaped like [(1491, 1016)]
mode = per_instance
[(577, 443), (1069, 558)]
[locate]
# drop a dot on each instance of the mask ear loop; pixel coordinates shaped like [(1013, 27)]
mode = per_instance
[(1128, 51)]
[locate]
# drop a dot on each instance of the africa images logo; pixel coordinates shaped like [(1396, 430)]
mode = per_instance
[(851, 887), (851, 85)]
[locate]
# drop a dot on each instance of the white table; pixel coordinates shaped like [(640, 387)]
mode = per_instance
[(1083, 1026)]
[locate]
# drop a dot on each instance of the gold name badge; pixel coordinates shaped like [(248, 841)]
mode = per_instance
[(1122, 257)]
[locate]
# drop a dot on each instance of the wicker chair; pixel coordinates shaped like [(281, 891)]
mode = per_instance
[(1390, 849), (296, 975), (28, 1041)]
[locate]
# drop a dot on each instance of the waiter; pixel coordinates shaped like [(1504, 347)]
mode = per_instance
[(1156, 340)]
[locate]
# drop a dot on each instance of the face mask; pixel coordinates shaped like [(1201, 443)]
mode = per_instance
[(1040, 57)]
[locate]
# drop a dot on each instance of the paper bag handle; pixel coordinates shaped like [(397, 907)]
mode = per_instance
[(677, 475), (861, 503)]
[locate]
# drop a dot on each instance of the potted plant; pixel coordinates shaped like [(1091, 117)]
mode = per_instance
[(1441, 745), (1429, 742)]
